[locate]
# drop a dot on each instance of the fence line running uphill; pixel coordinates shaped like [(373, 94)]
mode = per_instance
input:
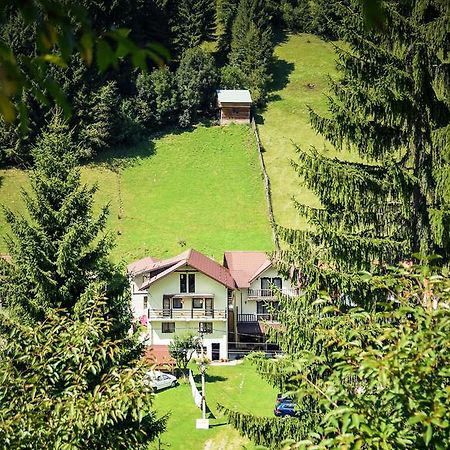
[(266, 186)]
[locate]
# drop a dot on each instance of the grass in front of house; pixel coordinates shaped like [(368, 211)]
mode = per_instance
[(302, 65), (200, 188), (237, 387)]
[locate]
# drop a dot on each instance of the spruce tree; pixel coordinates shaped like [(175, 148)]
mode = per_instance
[(252, 46), (193, 22), (59, 247), (391, 107)]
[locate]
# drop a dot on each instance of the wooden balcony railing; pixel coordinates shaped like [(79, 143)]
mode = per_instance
[(257, 317), (186, 314), (270, 293)]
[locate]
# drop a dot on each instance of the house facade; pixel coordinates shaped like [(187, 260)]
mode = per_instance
[(192, 293), (255, 299), (187, 293)]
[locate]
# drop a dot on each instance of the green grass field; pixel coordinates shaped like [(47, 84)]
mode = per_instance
[(200, 188), (237, 387), (302, 65)]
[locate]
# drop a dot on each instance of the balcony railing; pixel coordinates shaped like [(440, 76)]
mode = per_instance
[(270, 293), (186, 314), (257, 317)]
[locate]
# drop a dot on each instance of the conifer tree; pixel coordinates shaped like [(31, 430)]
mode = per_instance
[(193, 22), (391, 107), (251, 45), (226, 13), (61, 247)]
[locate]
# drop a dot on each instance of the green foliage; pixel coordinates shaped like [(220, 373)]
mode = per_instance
[(232, 77), (182, 349), (252, 47), (157, 98), (296, 15), (61, 247), (391, 203), (192, 23), (59, 29), (226, 13), (104, 125), (64, 384), (375, 377), (196, 80)]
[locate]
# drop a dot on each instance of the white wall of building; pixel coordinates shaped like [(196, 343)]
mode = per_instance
[(248, 306), (170, 285)]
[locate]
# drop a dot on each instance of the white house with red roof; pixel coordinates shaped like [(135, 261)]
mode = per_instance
[(192, 292), (188, 292)]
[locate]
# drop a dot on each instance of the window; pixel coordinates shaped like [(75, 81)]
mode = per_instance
[(168, 327), (145, 302), (191, 282), (187, 282), (177, 303), (205, 327), (277, 282), (183, 284), (197, 303), (268, 283)]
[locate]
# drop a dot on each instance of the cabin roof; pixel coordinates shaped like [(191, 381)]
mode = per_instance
[(234, 96)]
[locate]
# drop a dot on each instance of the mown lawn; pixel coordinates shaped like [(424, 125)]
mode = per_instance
[(238, 387), (302, 66), (200, 188)]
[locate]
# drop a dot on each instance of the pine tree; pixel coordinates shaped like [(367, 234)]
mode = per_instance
[(226, 13), (61, 248), (391, 107), (193, 22), (252, 47)]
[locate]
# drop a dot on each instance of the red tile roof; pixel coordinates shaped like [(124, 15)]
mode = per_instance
[(245, 266), (142, 265), (191, 258)]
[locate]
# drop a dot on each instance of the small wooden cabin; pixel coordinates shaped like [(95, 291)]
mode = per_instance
[(234, 105)]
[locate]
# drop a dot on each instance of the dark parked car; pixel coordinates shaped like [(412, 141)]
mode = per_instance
[(285, 410), (283, 398)]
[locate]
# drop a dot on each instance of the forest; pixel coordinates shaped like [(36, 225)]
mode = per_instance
[(206, 45), (365, 347)]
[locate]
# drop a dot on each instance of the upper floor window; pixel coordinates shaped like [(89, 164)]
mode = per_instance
[(187, 282), (197, 303), (177, 303), (268, 283)]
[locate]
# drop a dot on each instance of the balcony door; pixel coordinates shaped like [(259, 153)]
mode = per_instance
[(166, 306), (209, 307)]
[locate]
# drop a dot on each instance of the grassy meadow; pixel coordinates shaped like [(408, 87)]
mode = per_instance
[(301, 69), (237, 387), (200, 188)]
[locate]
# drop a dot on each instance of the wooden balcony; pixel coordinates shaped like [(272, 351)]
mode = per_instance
[(267, 294), (257, 318), (187, 314)]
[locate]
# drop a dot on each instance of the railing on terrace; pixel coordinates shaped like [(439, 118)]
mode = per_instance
[(172, 313), (257, 317), (268, 293)]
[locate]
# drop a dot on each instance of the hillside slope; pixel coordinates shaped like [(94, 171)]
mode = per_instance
[(200, 188)]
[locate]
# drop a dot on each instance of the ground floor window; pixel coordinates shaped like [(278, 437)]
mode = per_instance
[(205, 327), (168, 327)]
